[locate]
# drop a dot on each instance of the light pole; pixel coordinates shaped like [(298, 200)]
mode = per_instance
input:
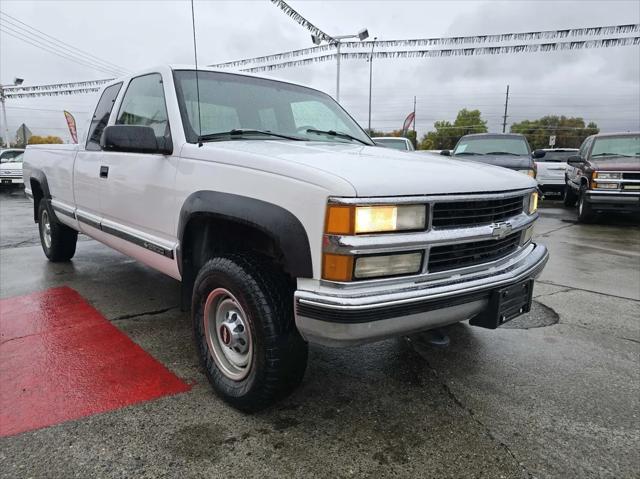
[(361, 35), (16, 82), (373, 44)]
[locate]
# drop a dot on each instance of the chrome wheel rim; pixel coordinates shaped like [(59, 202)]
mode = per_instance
[(581, 204), (228, 334), (46, 229)]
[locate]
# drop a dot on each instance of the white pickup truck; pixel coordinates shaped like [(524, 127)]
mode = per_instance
[(284, 222)]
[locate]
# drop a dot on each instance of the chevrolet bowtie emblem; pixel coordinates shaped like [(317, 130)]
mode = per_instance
[(500, 230)]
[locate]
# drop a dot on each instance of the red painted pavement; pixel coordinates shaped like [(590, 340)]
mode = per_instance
[(60, 359)]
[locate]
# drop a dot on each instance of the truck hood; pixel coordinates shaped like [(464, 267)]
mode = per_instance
[(616, 163), (513, 162), (373, 170)]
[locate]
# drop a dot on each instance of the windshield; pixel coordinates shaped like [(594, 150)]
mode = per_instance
[(396, 144), (236, 102), (617, 146), (483, 145), (557, 156), (12, 157)]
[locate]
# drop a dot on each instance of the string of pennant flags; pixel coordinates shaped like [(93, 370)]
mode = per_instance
[(286, 8), (57, 92), (301, 57), (56, 86), (444, 41), (455, 52)]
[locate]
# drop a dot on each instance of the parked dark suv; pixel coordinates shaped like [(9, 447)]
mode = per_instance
[(508, 150), (605, 175)]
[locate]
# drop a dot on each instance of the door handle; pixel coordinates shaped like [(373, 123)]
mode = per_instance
[(104, 171)]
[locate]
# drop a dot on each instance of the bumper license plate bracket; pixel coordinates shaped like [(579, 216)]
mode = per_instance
[(505, 304)]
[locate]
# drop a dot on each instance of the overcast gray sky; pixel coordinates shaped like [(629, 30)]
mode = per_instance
[(601, 85)]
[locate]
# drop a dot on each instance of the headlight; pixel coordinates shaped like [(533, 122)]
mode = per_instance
[(530, 173), (533, 202), (375, 219), (606, 176)]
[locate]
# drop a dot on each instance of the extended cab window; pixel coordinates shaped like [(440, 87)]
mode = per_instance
[(144, 104), (101, 116)]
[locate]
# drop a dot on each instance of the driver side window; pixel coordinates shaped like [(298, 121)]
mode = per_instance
[(144, 104)]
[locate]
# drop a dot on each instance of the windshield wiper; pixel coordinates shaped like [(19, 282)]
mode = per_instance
[(239, 132), (611, 154), (502, 153), (337, 134), (467, 153)]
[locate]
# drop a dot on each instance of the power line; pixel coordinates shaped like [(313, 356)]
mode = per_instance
[(63, 45), (45, 47)]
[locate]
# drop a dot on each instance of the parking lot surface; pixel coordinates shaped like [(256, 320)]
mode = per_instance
[(554, 394)]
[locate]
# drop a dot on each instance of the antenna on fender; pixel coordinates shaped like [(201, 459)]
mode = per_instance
[(195, 56)]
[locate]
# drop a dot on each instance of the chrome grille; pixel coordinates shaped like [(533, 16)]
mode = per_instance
[(631, 176), (442, 258), (459, 214)]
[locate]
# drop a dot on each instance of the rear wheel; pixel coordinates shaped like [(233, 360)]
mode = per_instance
[(585, 213), (244, 329), (569, 197), (58, 241)]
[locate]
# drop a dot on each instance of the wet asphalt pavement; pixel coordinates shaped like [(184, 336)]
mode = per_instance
[(555, 395)]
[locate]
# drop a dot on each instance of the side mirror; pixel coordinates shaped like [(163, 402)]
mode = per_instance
[(445, 152), (575, 160), (133, 139), (539, 154)]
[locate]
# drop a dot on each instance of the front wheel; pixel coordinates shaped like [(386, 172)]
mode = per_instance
[(58, 241), (242, 311), (569, 197), (585, 212)]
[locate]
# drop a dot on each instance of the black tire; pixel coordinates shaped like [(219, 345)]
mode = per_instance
[(569, 197), (265, 297), (61, 243), (585, 212)]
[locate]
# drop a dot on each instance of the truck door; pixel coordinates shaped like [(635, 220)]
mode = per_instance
[(88, 186), (138, 198)]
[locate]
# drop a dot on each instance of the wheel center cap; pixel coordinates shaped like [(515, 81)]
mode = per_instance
[(225, 335)]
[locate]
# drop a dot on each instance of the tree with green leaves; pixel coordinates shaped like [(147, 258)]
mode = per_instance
[(45, 140), (447, 134), (570, 132)]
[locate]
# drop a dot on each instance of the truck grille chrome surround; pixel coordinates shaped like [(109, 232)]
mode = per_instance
[(461, 214), (486, 231)]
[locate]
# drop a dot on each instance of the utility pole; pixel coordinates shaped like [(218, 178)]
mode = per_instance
[(506, 106), (3, 97), (373, 44), (414, 122), (4, 119)]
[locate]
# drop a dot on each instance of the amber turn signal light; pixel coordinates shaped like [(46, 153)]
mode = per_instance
[(337, 267)]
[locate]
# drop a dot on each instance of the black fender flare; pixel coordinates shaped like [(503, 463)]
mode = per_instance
[(39, 177), (278, 223)]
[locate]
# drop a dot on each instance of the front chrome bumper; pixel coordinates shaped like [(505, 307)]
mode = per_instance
[(628, 201), (343, 317)]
